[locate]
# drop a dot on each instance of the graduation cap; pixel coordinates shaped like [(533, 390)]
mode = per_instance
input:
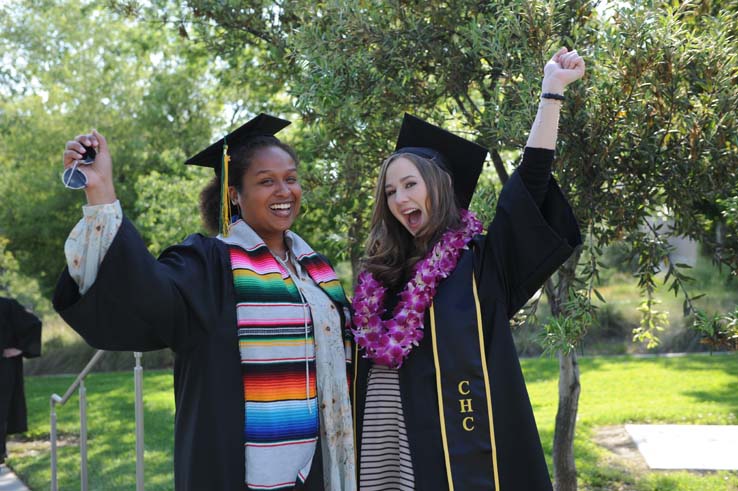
[(261, 125), (218, 157), (460, 158)]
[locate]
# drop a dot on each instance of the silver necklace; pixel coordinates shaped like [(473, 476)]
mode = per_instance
[(285, 259)]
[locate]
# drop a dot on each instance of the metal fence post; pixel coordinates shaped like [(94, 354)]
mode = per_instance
[(83, 434), (138, 383), (79, 383), (54, 399)]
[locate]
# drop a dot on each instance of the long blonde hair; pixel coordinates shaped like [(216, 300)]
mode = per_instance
[(391, 251)]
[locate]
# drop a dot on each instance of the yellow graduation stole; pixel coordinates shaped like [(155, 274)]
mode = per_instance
[(463, 385)]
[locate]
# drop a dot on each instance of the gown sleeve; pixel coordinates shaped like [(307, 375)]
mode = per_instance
[(527, 241), (139, 303), (26, 331)]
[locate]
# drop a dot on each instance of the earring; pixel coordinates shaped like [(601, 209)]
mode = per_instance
[(235, 211)]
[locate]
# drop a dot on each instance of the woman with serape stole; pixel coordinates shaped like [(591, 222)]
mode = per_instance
[(256, 318), (439, 394)]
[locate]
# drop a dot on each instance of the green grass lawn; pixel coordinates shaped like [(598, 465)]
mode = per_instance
[(111, 433), (695, 389)]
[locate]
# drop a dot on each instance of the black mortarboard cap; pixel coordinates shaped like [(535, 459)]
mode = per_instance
[(261, 125), (462, 159)]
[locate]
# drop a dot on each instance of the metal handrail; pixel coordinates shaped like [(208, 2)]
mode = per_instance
[(79, 383)]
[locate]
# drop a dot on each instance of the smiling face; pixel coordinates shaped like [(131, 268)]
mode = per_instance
[(407, 195), (270, 193)]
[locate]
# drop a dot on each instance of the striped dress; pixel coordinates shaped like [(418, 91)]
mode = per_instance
[(385, 453)]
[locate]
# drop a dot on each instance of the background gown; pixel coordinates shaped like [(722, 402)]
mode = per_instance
[(22, 330)]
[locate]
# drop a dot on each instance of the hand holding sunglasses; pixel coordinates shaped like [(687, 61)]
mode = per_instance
[(73, 178), (87, 165)]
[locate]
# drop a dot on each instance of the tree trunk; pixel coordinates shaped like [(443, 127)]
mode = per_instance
[(355, 263), (354, 247), (499, 166), (565, 469)]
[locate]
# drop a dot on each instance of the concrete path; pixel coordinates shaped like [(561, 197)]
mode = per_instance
[(9, 481), (696, 447)]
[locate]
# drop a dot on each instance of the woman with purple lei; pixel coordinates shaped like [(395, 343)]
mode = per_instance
[(439, 397)]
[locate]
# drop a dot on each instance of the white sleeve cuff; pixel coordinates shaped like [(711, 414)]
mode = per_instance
[(89, 241)]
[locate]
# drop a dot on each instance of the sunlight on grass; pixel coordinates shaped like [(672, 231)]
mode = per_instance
[(694, 389), (111, 432)]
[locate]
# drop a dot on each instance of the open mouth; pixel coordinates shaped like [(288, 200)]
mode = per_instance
[(281, 209), (413, 217)]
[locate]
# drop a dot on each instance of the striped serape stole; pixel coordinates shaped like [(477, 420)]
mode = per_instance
[(325, 277), (275, 335)]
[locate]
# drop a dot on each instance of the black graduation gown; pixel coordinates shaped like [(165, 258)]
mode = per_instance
[(523, 246), (185, 301), (22, 330)]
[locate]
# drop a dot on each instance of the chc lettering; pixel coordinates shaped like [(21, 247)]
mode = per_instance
[(465, 405)]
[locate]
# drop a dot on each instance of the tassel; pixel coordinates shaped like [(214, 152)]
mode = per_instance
[(225, 201)]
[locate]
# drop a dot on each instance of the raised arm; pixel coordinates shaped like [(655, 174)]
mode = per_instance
[(100, 189), (90, 239), (534, 230), (114, 292), (562, 69)]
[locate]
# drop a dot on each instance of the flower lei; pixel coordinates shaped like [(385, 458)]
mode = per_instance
[(388, 342)]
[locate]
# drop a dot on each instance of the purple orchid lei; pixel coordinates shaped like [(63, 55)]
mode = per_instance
[(389, 342)]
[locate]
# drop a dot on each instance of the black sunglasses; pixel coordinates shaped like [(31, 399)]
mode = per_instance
[(73, 178)]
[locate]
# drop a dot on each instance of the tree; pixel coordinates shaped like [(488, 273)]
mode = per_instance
[(149, 92), (14, 285), (350, 83), (652, 130)]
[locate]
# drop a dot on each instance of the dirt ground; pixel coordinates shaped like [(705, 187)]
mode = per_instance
[(623, 450), (623, 455)]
